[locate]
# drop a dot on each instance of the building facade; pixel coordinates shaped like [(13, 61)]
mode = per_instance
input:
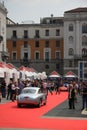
[(75, 41), (37, 45), (3, 49), (55, 44)]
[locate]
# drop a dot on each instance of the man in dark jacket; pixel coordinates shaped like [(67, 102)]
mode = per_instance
[(71, 96), (84, 96), (9, 90)]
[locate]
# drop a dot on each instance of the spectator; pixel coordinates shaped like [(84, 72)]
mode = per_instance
[(49, 87), (3, 89), (84, 96), (71, 96), (9, 90), (13, 91), (57, 87)]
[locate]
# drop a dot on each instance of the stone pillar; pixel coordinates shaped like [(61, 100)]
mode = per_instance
[(77, 38)]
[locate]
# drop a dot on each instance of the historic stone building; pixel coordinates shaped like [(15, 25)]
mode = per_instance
[(54, 44), (75, 41), (37, 45), (3, 50)]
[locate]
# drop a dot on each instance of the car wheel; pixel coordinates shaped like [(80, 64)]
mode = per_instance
[(40, 103), (19, 105)]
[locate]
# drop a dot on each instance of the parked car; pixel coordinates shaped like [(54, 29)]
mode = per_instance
[(63, 88), (32, 95)]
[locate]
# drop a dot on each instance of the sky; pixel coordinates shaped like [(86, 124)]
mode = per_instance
[(28, 11)]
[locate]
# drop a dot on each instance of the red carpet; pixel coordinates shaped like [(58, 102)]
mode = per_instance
[(13, 117)]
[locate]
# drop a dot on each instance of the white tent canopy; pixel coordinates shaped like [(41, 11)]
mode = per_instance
[(70, 74), (54, 74)]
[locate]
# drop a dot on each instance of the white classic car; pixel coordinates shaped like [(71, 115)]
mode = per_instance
[(32, 95)]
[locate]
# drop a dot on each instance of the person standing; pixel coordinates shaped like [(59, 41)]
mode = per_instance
[(20, 86), (3, 88), (9, 90), (84, 96), (57, 87), (13, 89), (49, 87), (71, 96)]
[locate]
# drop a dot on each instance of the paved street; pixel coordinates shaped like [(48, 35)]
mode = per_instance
[(62, 111)]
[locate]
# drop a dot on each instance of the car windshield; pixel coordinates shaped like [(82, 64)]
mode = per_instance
[(31, 91)]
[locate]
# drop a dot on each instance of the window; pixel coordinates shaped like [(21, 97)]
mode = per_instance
[(70, 39), (47, 55), (14, 34), (37, 33), (85, 75), (57, 32), (37, 55), (84, 28), (25, 34), (25, 56), (47, 44), (71, 52), (71, 27), (84, 52), (84, 41), (85, 64), (25, 44), (57, 55), (14, 55), (58, 43), (47, 33), (37, 44), (14, 43)]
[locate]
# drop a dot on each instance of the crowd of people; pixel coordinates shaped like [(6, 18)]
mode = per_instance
[(74, 88), (14, 88)]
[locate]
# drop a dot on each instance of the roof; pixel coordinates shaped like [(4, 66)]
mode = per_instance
[(70, 74), (77, 10)]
